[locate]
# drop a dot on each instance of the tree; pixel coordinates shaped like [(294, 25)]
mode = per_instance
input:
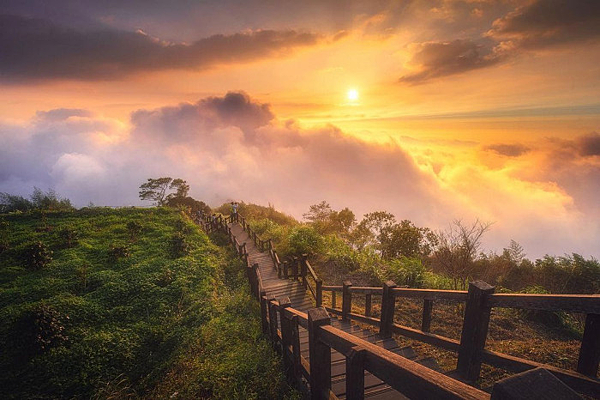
[(156, 189), (367, 232), (405, 239), (457, 250)]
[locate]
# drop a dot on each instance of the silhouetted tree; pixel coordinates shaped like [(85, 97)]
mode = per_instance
[(156, 189)]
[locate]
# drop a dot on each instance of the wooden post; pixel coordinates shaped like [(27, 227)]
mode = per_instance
[(263, 313), (346, 300), (255, 280), (303, 270), (320, 355), (285, 270), (474, 331), (355, 373), (273, 322), (426, 322), (319, 299), (295, 268), (388, 304), (286, 333), (333, 299), (589, 353), (368, 305), (297, 363), (270, 242)]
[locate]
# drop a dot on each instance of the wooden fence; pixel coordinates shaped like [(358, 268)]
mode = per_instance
[(402, 374)]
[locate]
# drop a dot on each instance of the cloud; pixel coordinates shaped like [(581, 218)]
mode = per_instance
[(232, 147), (589, 145), (509, 150), (39, 49), (542, 23), (437, 59)]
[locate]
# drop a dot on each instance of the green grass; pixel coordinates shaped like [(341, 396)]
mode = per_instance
[(153, 324)]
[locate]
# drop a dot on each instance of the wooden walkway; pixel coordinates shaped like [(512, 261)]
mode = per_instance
[(302, 301)]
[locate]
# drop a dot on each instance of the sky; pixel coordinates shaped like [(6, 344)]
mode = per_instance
[(433, 110)]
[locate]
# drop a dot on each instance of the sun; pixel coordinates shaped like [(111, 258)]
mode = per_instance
[(352, 94)]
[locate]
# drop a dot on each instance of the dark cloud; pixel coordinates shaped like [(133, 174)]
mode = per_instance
[(550, 22), (34, 48), (437, 59), (509, 150), (185, 121), (589, 145)]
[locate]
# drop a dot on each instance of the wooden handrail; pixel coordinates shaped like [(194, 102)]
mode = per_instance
[(589, 304)]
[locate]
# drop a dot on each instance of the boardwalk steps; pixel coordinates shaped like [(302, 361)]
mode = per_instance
[(302, 301), (338, 346)]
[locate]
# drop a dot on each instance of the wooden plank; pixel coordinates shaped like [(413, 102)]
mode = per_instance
[(431, 294), (430, 338), (534, 384), (578, 382)]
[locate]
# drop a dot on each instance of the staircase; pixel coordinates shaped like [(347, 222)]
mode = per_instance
[(301, 300)]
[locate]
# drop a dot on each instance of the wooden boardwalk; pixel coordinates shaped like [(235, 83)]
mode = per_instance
[(302, 301)]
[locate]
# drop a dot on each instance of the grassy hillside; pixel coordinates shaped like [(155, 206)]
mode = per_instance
[(126, 303)]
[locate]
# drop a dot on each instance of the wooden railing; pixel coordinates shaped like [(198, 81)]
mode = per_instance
[(479, 301), (404, 375)]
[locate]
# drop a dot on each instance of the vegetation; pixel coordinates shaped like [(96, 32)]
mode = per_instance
[(118, 311), (39, 200)]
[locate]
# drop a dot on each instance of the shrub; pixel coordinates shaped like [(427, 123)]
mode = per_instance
[(406, 271), (39, 329), (37, 255), (116, 252), (134, 228), (179, 245), (69, 236), (305, 240)]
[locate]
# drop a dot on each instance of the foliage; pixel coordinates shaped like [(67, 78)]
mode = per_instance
[(189, 204), (457, 250), (134, 228), (405, 271), (305, 240), (69, 236), (156, 189), (37, 255), (368, 231), (325, 220), (406, 240), (39, 329), (179, 245), (39, 200), (131, 326), (254, 212), (118, 251), (49, 201)]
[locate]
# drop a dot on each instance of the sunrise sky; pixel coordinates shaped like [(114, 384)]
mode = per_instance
[(434, 110)]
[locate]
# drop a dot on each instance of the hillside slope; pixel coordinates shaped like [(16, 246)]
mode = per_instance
[(128, 303)]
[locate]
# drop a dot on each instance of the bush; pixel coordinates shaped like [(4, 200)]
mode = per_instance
[(179, 245), (406, 271), (116, 252), (37, 255), (305, 240), (39, 329), (134, 229), (69, 236)]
